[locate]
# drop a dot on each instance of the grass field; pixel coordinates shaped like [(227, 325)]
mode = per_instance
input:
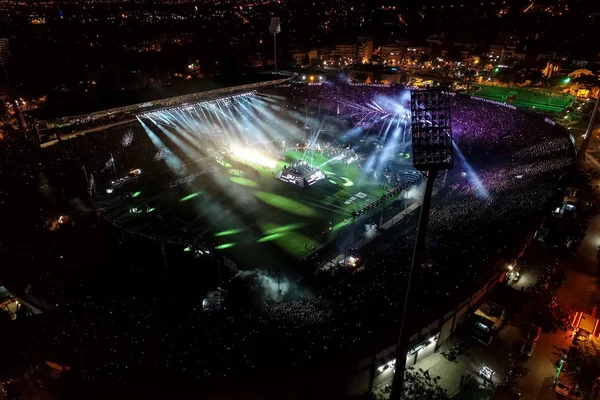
[(255, 219), (534, 100)]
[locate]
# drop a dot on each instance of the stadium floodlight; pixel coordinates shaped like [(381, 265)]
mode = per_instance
[(432, 152), (275, 28), (431, 130)]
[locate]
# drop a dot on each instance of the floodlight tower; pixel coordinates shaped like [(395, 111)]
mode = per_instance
[(4, 57), (275, 28), (432, 152)]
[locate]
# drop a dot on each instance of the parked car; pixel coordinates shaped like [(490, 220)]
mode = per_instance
[(528, 348), (534, 333), (565, 380)]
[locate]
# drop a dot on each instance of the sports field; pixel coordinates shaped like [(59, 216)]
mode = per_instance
[(252, 218), (534, 100)]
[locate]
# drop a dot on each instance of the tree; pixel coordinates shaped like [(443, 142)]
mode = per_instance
[(418, 385), (361, 77), (584, 360), (3, 110), (4, 318)]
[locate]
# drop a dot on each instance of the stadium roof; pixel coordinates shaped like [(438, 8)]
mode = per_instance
[(146, 99)]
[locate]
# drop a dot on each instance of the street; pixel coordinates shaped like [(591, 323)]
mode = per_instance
[(578, 293)]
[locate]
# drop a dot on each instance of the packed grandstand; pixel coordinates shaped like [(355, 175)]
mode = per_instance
[(196, 189)]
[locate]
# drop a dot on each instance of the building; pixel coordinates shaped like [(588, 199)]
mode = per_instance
[(551, 68), (299, 58), (554, 56), (392, 53), (579, 63), (585, 325), (346, 51), (435, 39), (418, 51), (376, 368), (503, 54), (586, 84), (365, 48), (465, 45), (325, 53), (508, 54), (494, 53)]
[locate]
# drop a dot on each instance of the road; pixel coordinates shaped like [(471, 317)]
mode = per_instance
[(577, 294)]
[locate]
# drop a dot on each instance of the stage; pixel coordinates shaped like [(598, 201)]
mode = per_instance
[(301, 173)]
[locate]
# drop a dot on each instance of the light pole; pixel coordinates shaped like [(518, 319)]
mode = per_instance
[(432, 153), (275, 28), (112, 159), (4, 57)]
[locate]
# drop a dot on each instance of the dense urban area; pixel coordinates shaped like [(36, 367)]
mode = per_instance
[(280, 198)]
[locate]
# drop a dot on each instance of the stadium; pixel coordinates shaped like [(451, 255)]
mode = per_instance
[(308, 195)]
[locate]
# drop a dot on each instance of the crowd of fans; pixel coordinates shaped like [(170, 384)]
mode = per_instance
[(507, 165), (303, 311)]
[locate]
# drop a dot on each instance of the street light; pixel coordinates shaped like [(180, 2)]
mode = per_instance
[(432, 152), (275, 28)]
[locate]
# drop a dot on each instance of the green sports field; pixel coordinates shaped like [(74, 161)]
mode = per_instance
[(293, 218), (255, 218), (533, 100)]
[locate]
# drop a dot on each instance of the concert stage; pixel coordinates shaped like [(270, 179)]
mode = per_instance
[(301, 174)]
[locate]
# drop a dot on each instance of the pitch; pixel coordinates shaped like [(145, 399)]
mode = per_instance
[(229, 199)]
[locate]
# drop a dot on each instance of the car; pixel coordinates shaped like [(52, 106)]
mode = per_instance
[(528, 348), (564, 380), (563, 388), (534, 333)]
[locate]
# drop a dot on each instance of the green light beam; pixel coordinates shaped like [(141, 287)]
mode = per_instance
[(271, 237), (243, 181), (190, 196), (225, 246), (229, 232), (270, 229), (286, 204)]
